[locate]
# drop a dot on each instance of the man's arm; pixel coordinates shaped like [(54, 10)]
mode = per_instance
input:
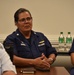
[(6, 65), (72, 58), (37, 62), (8, 73), (22, 62), (51, 58)]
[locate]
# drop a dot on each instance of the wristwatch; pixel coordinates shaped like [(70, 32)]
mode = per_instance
[(50, 59)]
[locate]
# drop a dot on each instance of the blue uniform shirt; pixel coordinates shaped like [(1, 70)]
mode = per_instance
[(72, 51), (32, 48), (72, 48)]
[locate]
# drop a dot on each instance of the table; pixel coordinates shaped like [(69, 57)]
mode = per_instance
[(53, 71)]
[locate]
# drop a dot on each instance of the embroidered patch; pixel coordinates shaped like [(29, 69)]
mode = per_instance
[(23, 44), (41, 44), (41, 41)]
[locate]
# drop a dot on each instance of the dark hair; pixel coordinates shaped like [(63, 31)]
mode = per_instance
[(20, 11)]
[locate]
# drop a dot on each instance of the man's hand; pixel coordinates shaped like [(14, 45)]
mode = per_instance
[(49, 60), (41, 62)]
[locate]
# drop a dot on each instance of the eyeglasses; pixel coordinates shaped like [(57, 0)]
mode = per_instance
[(25, 19)]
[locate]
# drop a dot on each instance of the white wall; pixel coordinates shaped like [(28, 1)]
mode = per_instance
[(49, 16)]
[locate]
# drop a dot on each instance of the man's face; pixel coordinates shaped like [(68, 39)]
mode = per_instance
[(24, 23)]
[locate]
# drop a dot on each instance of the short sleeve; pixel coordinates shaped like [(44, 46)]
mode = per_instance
[(6, 64)]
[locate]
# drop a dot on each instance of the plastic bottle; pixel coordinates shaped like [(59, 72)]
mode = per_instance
[(68, 41), (61, 38), (61, 42), (69, 38)]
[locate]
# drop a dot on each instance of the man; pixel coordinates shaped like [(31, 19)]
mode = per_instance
[(71, 52), (6, 66), (30, 48)]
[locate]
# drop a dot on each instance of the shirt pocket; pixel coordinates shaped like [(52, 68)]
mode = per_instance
[(42, 48)]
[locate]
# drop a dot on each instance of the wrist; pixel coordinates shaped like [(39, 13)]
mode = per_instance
[(32, 62), (50, 60)]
